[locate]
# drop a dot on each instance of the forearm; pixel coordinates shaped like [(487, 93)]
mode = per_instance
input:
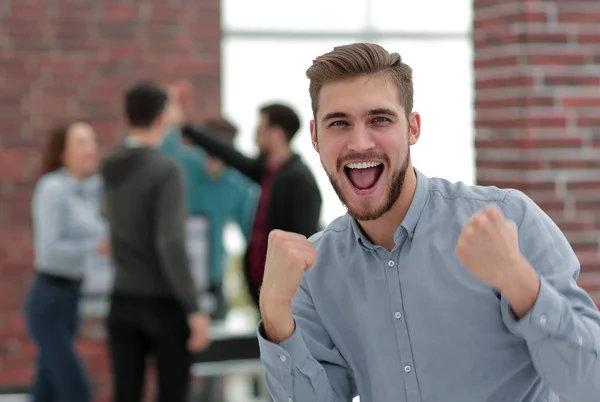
[(175, 265), (564, 343), (214, 145), (292, 372)]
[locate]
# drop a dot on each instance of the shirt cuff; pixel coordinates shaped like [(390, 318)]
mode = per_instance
[(282, 357), (543, 320)]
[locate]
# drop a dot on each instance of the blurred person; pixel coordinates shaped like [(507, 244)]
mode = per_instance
[(290, 199), (218, 193), (154, 309), (68, 230), (426, 290)]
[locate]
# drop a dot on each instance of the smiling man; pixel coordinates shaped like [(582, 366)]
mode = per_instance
[(426, 290)]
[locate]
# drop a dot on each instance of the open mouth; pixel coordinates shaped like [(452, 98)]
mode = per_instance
[(364, 176)]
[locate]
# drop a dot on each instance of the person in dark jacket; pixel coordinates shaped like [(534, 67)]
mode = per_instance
[(290, 198), (154, 309)]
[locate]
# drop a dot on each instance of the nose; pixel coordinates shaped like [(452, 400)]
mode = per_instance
[(361, 139)]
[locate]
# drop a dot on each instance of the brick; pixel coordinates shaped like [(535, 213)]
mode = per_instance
[(592, 16), (590, 281), (516, 81), (499, 61), (572, 80), (554, 59), (537, 122), (541, 38), (512, 102), (27, 11), (118, 11), (581, 102), (513, 17), (588, 38), (588, 121)]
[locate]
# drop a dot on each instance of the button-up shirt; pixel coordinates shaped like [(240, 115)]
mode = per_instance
[(67, 224), (414, 325)]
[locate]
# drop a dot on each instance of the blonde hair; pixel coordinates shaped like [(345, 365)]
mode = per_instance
[(356, 60)]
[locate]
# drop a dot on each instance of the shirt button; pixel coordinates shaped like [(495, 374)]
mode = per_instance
[(398, 315), (391, 263), (283, 358), (543, 320), (407, 369), (580, 341), (290, 400)]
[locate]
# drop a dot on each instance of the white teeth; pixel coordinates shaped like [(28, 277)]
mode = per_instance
[(362, 165)]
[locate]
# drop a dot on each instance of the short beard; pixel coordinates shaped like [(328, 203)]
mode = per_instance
[(394, 191)]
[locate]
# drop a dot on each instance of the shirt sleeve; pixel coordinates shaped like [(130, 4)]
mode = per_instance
[(562, 330), (171, 238), (304, 207), (172, 147), (48, 210), (216, 146), (307, 366)]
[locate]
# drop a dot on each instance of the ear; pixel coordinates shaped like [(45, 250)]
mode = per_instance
[(313, 135), (414, 124), (164, 118)]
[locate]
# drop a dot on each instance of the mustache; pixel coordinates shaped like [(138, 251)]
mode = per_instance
[(361, 156)]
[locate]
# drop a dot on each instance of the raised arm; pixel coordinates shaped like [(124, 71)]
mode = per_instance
[(562, 329), (214, 145), (172, 147)]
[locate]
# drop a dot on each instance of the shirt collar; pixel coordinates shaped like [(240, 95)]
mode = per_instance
[(132, 142), (82, 186), (409, 224)]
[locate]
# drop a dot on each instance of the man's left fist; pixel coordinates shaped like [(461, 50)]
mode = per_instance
[(488, 246)]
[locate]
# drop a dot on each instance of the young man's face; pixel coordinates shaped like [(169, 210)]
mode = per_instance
[(264, 135), (363, 138)]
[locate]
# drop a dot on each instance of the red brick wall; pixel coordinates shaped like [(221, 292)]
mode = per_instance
[(71, 58), (537, 102)]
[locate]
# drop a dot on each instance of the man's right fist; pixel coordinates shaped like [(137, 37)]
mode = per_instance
[(289, 255)]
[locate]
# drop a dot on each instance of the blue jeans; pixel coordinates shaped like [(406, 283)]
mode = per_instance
[(52, 320)]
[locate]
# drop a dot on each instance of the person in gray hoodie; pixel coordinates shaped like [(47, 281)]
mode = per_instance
[(154, 309)]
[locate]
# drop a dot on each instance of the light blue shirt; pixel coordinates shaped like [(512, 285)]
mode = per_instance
[(67, 224), (414, 325)]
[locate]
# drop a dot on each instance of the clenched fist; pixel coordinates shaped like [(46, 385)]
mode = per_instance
[(289, 255), (488, 247)]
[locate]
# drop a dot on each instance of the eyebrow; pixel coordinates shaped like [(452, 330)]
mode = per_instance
[(372, 112)]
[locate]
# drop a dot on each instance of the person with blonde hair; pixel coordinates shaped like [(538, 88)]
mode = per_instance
[(426, 290)]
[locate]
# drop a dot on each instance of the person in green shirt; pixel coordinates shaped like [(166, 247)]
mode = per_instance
[(219, 193)]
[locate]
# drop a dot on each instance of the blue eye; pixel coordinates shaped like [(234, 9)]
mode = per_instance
[(338, 123), (381, 119)]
